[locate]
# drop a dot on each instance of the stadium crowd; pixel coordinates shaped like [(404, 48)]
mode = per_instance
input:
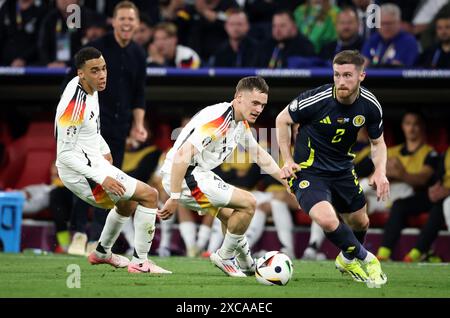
[(251, 33), (235, 33)]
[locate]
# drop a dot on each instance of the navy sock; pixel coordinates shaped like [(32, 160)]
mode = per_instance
[(361, 236), (346, 241)]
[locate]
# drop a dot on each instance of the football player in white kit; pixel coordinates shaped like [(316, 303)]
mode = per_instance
[(85, 167), (203, 144)]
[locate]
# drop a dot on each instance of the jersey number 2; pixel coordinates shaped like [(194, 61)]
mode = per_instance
[(338, 136)]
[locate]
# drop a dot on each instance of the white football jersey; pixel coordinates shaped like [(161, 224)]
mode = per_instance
[(80, 147), (215, 134)]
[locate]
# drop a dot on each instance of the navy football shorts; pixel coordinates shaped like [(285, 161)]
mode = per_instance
[(343, 192)]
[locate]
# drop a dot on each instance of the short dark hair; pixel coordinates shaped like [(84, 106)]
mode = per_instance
[(125, 5), (285, 12), (252, 82), (415, 111), (349, 57), (86, 54)]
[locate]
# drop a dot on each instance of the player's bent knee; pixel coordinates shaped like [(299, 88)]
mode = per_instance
[(152, 194), (327, 222), (251, 202), (146, 194)]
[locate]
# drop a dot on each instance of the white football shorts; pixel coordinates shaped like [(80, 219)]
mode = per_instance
[(92, 192), (202, 191)]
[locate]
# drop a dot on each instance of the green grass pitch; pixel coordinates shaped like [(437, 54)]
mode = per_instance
[(46, 276)]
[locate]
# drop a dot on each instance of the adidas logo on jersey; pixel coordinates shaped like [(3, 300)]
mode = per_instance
[(326, 120)]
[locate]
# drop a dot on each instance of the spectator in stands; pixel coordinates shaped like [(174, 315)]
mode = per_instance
[(240, 50), (260, 13), (206, 25), (179, 12), (410, 168), (286, 43), (408, 9), (106, 8), (428, 37), (165, 50), (348, 38), (19, 26), (94, 30), (425, 13), (122, 103), (438, 194), (362, 9), (390, 46), (316, 19), (169, 9), (144, 34), (59, 37), (438, 56)]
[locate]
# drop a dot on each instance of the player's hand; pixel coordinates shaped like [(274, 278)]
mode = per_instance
[(289, 170), (380, 182), (168, 209), (139, 133), (113, 186)]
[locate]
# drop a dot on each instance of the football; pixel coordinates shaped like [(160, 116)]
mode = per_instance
[(274, 268)]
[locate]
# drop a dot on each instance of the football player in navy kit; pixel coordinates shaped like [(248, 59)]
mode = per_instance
[(321, 171)]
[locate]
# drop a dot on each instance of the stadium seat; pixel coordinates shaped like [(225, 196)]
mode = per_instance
[(438, 138), (11, 204), (15, 155), (40, 149), (163, 139), (378, 219), (301, 218), (418, 220)]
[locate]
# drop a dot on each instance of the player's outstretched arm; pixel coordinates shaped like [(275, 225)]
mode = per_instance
[(181, 162), (379, 158), (283, 127), (268, 164)]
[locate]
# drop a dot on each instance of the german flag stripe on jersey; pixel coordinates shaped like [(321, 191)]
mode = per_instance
[(74, 113), (218, 126)]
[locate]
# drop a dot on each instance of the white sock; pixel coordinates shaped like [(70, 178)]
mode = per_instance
[(144, 226), (345, 259), (316, 236), (284, 225), (244, 255), (216, 238), (256, 227), (204, 232), (188, 231), (113, 225), (369, 257), (446, 211), (166, 232), (229, 245), (128, 231)]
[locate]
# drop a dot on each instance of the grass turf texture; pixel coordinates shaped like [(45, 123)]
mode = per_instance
[(46, 276)]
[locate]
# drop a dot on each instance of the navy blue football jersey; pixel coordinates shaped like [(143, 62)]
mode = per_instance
[(328, 129)]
